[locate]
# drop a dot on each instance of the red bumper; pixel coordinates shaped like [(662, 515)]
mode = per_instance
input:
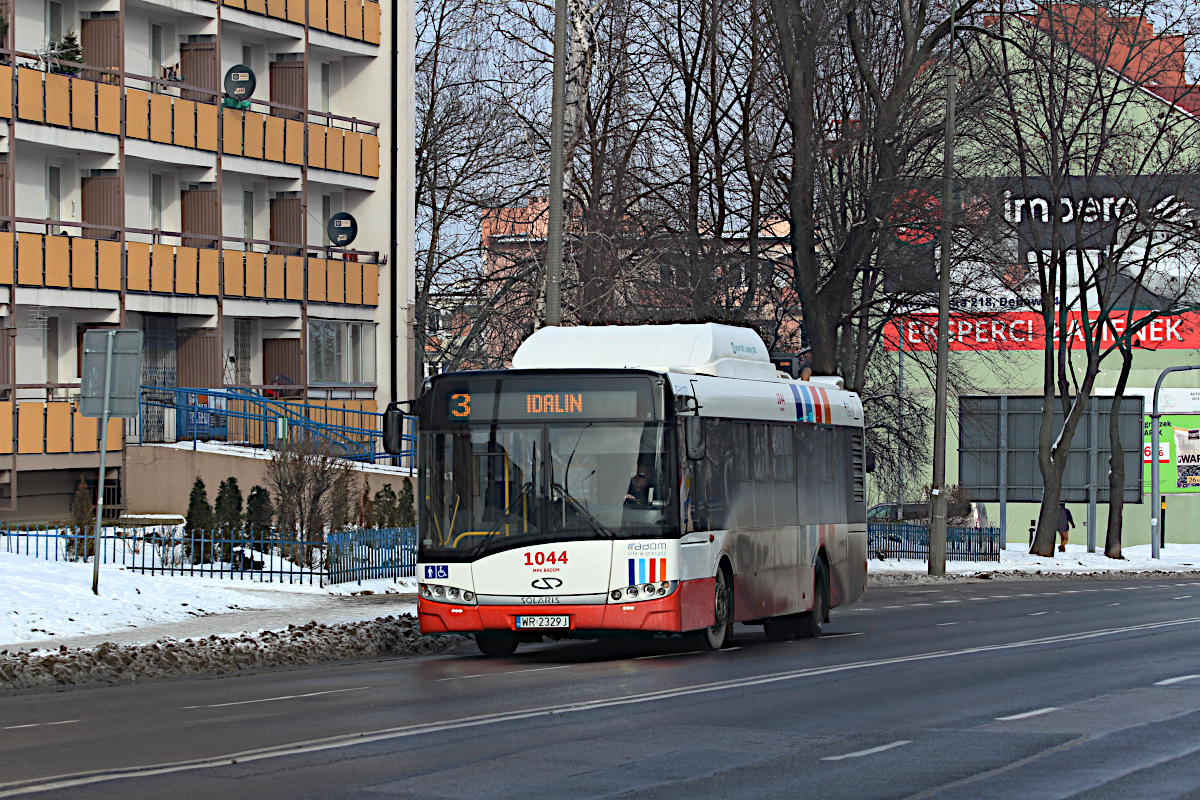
[(649, 615)]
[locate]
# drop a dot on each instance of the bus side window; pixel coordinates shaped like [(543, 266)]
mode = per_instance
[(718, 443)]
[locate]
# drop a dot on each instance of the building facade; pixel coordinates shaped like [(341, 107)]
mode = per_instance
[(135, 193)]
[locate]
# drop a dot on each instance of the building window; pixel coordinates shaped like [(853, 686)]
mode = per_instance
[(326, 213), (248, 217), (53, 197), (156, 202), (248, 56), (341, 352), (54, 29), (325, 87), (156, 52)]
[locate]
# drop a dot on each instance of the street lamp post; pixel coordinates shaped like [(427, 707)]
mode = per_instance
[(554, 232), (1155, 520)]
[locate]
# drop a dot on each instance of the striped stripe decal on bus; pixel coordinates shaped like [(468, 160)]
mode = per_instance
[(812, 404)]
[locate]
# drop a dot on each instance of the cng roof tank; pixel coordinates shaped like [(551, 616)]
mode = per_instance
[(702, 349)]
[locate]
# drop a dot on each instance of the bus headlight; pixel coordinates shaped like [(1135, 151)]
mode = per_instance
[(437, 591), (616, 594), (468, 596), (452, 593), (631, 591), (648, 588), (647, 591)]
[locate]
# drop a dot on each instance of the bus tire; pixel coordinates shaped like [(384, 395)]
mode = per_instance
[(811, 623), (721, 633), (496, 644)]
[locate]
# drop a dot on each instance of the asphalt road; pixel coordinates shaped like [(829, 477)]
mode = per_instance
[(1049, 689)]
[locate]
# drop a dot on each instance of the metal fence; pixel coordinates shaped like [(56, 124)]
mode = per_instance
[(901, 540), (353, 555)]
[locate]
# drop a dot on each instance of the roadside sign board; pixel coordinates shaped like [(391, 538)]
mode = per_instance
[(126, 373)]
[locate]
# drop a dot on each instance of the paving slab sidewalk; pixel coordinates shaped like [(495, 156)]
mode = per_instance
[(326, 610)]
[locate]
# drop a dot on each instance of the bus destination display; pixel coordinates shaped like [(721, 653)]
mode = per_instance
[(529, 400)]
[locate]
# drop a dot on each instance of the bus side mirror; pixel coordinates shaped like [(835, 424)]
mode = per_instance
[(693, 432), (393, 430), (869, 461)]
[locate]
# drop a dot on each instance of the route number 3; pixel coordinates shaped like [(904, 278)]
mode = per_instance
[(462, 405), (539, 558)]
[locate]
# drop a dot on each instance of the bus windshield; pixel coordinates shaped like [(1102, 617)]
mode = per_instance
[(491, 487)]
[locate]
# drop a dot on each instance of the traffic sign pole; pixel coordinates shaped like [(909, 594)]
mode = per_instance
[(103, 452)]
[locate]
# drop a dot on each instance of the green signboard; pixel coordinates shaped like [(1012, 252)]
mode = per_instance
[(1178, 453)]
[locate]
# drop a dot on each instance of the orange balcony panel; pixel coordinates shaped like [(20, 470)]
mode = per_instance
[(83, 264), (235, 275), (209, 272), (162, 269), (231, 132), (277, 9), (83, 105), (370, 155), (137, 113), (116, 431), (6, 427), (370, 285), (317, 14), (6, 92), (206, 127), (293, 141), (352, 153), (371, 22), (58, 261), (58, 100), (58, 427), (334, 144), (185, 270), (256, 6), (316, 279), (337, 17), (87, 437), (354, 282), (31, 419), (234, 3), (108, 265), (160, 118), (273, 145), (253, 135), (354, 19), (108, 108), (29, 94), (256, 269), (29, 259), (335, 281), (295, 11), (294, 278), (185, 123), (275, 277), (137, 266), (316, 146), (6, 258)]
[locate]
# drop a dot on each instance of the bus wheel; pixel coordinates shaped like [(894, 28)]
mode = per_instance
[(496, 644), (812, 622), (720, 633)]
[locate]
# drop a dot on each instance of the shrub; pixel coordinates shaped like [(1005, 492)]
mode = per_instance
[(387, 508), (198, 524), (227, 511), (407, 514), (259, 513)]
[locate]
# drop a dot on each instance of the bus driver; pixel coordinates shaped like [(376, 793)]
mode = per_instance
[(640, 484)]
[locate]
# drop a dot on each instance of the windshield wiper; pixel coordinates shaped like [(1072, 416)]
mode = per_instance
[(516, 502), (596, 524)]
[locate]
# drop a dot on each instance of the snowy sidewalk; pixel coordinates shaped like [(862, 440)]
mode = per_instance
[(1017, 562)]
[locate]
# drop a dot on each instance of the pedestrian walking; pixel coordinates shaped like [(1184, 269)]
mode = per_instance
[(1065, 520)]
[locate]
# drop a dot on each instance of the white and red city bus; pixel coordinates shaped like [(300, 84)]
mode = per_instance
[(657, 479)]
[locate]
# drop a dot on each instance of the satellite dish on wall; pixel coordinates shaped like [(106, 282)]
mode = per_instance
[(342, 229), (240, 82)]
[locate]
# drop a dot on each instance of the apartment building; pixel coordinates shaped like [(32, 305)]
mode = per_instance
[(135, 193)]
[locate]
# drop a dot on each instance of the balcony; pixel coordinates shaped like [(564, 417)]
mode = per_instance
[(353, 19), (73, 262), (340, 144), (52, 428)]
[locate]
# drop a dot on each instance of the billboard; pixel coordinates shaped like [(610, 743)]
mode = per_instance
[(1026, 330), (1178, 453)]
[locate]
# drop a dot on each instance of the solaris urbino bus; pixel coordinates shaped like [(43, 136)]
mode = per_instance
[(657, 479)]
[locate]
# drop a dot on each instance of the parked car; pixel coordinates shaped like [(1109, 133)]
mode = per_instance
[(962, 515)]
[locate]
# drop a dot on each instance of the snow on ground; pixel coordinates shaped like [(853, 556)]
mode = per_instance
[(1076, 561), (375, 586), (39, 599)]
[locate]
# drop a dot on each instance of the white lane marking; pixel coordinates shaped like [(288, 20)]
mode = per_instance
[(1180, 679), (1184, 597), (39, 724), (284, 697), (944, 624), (686, 653), (1110, 605), (869, 752), (922, 604), (1000, 596), (1038, 613), (893, 606), (68, 781), (1027, 714), (949, 601), (489, 674)]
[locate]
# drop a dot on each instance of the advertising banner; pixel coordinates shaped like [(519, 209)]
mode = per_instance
[(1026, 330), (1178, 454)]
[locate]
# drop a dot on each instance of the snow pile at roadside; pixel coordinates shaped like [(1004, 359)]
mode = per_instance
[(298, 645), (39, 599), (1017, 563)]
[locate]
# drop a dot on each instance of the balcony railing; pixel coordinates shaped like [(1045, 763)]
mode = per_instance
[(34, 427), (354, 19)]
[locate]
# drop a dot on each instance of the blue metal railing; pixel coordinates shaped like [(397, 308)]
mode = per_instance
[(351, 555), (250, 419), (902, 540)]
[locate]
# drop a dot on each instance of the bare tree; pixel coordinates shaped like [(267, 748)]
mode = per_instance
[(307, 476)]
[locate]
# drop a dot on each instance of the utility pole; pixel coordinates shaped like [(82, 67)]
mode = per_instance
[(937, 527), (554, 233)]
